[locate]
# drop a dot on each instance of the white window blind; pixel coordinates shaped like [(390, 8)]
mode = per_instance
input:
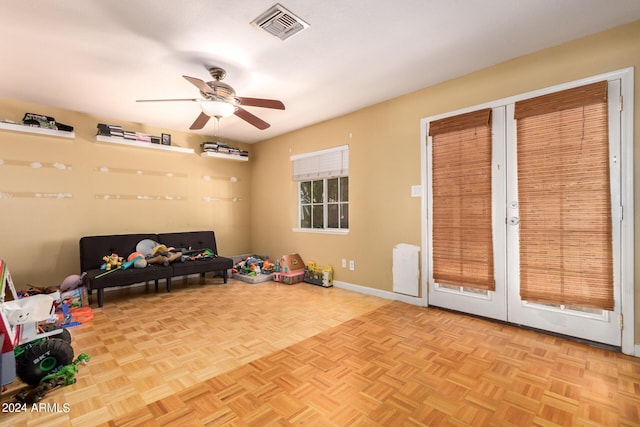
[(329, 163)]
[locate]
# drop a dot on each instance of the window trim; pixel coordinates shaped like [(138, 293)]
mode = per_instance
[(336, 231)]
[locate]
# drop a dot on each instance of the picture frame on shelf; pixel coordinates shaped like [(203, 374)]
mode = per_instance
[(166, 139)]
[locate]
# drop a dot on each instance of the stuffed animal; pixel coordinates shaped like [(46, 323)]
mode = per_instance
[(112, 261), (71, 282), (138, 259), (253, 264), (153, 252), (267, 265), (161, 254)]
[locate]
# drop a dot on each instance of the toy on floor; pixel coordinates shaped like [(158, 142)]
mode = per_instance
[(30, 350), (65, 376), (253, 265), (73, 316), (67, 318), (71, 282)]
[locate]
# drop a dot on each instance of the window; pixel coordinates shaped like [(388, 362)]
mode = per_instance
[(323, 189), (318, 211)]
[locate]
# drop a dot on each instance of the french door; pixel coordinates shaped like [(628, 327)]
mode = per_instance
[(486, 303), (505, 302)]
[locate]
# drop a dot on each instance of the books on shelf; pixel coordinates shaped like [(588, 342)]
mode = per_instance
[(223, 148), (118, 132), (110, 130)]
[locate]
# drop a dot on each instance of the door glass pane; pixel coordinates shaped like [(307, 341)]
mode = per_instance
[(565, 212), (462, 203)]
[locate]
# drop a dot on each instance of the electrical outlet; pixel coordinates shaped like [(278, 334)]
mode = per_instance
[(352, 265), (344, 263)]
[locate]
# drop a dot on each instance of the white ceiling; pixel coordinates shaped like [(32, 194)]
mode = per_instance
[(99, 56)]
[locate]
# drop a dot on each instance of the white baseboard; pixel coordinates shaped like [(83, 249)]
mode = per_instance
[(379, 293)]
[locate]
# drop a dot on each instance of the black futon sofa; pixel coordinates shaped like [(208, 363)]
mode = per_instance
[(93, 248)]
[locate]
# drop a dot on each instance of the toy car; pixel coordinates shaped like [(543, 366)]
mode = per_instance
[(42, 121)]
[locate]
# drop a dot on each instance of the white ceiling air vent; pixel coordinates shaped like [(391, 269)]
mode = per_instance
[(279, 22)]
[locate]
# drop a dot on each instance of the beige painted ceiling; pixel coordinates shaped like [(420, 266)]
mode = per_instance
[(99, 56)]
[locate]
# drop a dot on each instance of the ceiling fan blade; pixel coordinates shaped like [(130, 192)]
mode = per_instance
[(259, 102), (169, 100), (250, 118), (200, 84), (200, 122)]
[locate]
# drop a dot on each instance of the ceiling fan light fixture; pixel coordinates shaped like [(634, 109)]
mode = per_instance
[(219, 109)]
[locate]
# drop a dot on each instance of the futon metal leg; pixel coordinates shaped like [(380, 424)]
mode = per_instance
[(168, 284), (100, 297)]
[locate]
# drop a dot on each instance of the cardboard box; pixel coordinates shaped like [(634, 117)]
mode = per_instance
[(291, 263), (75, 298)]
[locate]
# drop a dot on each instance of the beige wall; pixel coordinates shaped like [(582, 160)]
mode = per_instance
[(384, 143), (39, 237)]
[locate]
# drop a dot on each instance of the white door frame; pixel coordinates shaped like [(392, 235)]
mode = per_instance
[(627, 194)]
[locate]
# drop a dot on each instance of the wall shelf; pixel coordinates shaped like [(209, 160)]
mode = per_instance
[(225, 156), (36, 130), (141, 144)]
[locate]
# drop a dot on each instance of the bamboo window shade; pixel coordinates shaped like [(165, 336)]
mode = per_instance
[(461, 186), (564, 198)]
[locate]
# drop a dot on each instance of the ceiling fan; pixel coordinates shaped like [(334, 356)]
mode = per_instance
[(220, 100)]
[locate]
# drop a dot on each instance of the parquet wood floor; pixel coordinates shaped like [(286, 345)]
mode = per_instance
[(272, 354)]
